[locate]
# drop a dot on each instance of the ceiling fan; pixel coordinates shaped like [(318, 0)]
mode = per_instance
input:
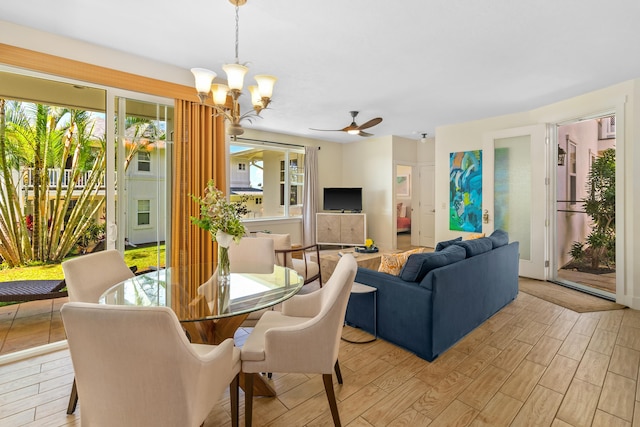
[(353, 128)]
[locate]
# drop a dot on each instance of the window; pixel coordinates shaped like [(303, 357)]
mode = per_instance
[(144, 212), (144, 161), (572, 170), (264, 173)]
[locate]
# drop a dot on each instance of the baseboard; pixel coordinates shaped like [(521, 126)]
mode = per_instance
[(33, 352)]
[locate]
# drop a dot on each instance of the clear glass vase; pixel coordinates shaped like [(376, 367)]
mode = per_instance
[(224, 278)]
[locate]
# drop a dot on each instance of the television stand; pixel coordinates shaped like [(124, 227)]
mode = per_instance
[(348, 229)]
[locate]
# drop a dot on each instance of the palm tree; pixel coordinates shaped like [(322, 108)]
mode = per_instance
[(36, 139), (41, 138)]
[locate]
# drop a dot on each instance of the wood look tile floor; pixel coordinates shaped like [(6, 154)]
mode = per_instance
[(532, 364)]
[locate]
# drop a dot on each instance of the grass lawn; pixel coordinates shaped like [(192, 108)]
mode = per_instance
[(142, 257)]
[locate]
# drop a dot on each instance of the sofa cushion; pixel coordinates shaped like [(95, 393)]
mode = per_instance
[(499, 238), (441, 245), (418, 265), (393, 263), (476, 246)]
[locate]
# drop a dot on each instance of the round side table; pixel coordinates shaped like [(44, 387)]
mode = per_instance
[(359, 288)]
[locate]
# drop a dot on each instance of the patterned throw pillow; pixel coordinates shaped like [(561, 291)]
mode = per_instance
[(393, 263), (474, 236)]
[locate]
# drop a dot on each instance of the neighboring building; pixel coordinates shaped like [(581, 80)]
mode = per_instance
[(259, 175)]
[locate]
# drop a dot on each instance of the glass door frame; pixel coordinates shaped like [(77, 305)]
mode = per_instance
[(537, 265), (117, 213), (113, 217), (619, 111)]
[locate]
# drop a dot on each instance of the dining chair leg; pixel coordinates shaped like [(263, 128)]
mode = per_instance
[(73, 399), (234, 392), (338, 372), (248, 398), (331, 396)]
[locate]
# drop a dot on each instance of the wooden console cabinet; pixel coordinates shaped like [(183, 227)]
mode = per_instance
[(348, 229)]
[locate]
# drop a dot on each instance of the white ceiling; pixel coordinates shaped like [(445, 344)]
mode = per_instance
[(418, 64)]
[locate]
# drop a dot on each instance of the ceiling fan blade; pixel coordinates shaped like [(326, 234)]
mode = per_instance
[(362, 133), (328, 130), (370, 123)]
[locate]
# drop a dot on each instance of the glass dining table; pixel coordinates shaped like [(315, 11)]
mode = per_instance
[(207, 313), (195, 297)]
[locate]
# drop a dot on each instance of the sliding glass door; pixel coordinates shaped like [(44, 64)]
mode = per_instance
[(141, 190)]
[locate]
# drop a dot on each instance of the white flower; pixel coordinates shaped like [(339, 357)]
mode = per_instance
[(223, 239)]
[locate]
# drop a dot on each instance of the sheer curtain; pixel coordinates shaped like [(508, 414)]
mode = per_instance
[(310, 199)]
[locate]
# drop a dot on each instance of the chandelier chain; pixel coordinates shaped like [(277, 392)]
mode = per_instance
[(237, 31), (260, 93)]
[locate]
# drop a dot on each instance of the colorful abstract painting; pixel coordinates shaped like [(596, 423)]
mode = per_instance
[(465, 191)]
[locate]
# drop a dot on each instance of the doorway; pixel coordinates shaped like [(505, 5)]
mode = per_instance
[(403, 194), (585, 232)]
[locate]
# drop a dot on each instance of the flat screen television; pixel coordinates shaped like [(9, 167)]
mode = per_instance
[(342, 199)]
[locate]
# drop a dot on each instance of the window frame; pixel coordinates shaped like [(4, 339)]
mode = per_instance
[(137, 225), (139, 162), (572, 172), (289, 152)]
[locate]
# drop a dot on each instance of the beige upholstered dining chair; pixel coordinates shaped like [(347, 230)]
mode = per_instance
[(303, 338), (304, 259), (252, 255), (135, 367), (87, 277)]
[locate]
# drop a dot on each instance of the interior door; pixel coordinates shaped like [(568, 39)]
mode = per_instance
[(427, 207), (515, 192)]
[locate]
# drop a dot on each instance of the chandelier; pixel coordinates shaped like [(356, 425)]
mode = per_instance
[(260, 93)]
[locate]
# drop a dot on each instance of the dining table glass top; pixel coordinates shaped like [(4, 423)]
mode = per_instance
[(194, 295)]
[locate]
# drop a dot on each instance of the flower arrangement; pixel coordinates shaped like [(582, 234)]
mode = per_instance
[(218, 216), (369, 247), (223, 220)]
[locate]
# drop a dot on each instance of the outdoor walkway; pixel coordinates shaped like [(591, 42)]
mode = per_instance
[(30, 324), (605, 282)]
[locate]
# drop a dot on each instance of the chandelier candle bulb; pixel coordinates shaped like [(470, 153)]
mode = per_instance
[(235, 75), (219, 94), (256, 99), (203, 78), (265, 85)]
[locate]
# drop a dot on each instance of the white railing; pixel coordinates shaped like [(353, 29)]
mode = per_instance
[(53, 175)]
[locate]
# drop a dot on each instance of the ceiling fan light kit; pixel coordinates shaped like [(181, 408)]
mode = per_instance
[(354, 128), (260, 94)]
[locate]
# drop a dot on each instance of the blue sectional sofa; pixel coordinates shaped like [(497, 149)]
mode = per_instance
[(448, 294)]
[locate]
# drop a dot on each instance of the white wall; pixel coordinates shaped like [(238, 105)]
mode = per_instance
[(28, 38), (368, 163), (623, 98), (143, 185)]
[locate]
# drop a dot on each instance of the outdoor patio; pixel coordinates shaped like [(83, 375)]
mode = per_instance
[(30, 324)]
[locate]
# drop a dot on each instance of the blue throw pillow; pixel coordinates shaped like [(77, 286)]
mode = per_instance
[(499, 238), (418, 265), (441, 245), (476, 246)]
